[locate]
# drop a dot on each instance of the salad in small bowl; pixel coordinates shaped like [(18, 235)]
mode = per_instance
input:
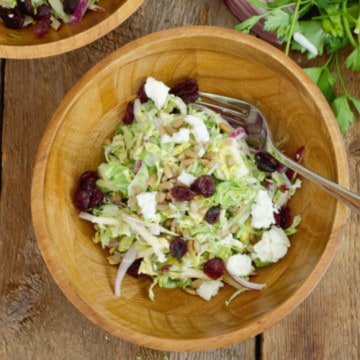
[(41, 28), (17, 14)]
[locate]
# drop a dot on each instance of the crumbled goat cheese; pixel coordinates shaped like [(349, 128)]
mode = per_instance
[(147, 203), (239, 265), (183, 135), (262, 211), (273, 245), (199, 129), (156, 91), (186, 178), (209, 288)]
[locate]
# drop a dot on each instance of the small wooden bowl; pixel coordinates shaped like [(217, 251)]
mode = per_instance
[(23, 44), (223, 61)]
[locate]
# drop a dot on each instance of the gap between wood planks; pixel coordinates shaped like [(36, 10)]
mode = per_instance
[(2, 76), (258, 347)]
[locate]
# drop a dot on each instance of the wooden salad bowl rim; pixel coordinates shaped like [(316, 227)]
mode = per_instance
[(193, 40)]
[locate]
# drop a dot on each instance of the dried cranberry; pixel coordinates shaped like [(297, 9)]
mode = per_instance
[(88, 180), (12, 18), (82, 199), (188, 90), (129, 114), (70, 6), (42, 27), (133, 269), (43, 12), (97, 197), (178, 247), (85, 200), (26, 7), (214, 268), (141, 94), (87, 196), (283, 217), (265, 161), (182, 193), (43, 17), (204, 185), (213, 214)]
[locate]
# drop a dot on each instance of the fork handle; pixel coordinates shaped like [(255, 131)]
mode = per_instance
[(344, 195)]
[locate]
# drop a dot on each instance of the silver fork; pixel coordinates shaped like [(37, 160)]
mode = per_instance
[(240, 113)]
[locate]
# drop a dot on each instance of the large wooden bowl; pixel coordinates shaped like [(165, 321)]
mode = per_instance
[(223, 61), (23, 44)]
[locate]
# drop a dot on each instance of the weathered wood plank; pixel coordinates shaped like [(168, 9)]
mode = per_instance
[(36, 320), (326, 325)]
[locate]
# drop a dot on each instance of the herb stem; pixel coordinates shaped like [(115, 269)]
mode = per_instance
[(329, 60), (292, 26), (340, 77), (346, 25)]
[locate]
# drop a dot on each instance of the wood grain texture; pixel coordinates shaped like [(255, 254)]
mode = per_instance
[(326, 325), (38, 322)]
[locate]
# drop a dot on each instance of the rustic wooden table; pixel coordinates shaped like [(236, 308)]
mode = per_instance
[(38, 322)]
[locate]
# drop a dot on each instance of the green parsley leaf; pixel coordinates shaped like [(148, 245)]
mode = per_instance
[(324, 79), (248, 24), (326, 84), (356, 103), (353, 60), (343, 113), (314, 73), (324, 4), (333, 44), (278, 21), (332, 22)]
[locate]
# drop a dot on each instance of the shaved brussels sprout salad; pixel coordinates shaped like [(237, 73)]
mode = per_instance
[(44, 14), (183, 200)]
